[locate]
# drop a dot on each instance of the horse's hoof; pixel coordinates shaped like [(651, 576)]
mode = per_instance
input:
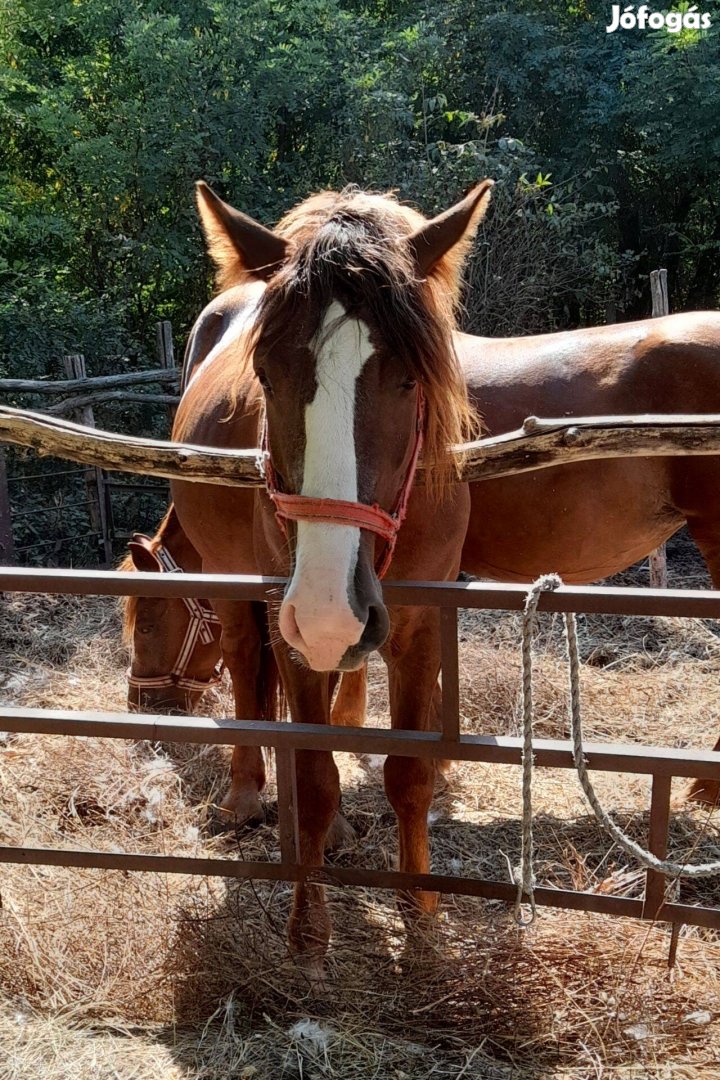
[(704, 791), (416, 906), (226, 819), (312, 968), (340, 834)]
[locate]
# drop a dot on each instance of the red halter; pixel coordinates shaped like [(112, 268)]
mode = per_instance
[(339, 512)]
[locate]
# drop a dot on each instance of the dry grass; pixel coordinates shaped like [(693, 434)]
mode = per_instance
[(106, 975)]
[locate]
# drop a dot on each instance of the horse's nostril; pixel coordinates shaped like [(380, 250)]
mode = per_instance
[(376, 629)]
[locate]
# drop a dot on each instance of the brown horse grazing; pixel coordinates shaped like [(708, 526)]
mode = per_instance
[(174, 645), (176, 655), (339, 360)]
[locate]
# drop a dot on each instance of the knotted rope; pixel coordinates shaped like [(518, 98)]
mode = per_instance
[(524, 875)]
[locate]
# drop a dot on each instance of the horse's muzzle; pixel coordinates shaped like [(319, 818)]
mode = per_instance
[(322, 644), (165, 701)]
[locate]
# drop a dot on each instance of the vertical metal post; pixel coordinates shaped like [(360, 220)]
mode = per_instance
[(287, 806), (7, 542), (656, 883), (450, 674), (674, 940), (660, 306), (94, 477)]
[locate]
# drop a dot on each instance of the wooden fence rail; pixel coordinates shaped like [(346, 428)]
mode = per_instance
[(88, 383), (539, 444)]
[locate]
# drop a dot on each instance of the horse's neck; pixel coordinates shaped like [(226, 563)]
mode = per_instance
[(176, 542)]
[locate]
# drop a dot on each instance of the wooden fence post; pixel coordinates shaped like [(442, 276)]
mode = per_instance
[(94, 477), (660, 306), (166, 357), (7, 542)]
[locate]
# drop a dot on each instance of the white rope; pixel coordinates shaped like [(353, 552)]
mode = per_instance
[(524, 875)]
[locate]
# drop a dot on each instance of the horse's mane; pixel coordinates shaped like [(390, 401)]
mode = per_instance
[(130, 603), (348, 245)]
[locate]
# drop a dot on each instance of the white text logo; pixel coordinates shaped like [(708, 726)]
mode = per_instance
[(642, 19)]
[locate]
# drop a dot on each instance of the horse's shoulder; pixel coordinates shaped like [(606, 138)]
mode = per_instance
[(219, 382), (220, 322)]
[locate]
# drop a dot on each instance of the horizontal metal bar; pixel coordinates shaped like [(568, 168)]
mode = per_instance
[(56, 540), (492, 749), (353, 876), (50, 509), (49, 475), (595, 599)]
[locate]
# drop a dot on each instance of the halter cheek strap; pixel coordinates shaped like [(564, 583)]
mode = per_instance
[(200, 628), (339, 512)]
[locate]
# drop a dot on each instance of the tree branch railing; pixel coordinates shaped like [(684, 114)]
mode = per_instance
[(89, 383), (99, 397), (539, 444)]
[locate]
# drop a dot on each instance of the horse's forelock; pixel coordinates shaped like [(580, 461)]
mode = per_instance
[(348, 247)]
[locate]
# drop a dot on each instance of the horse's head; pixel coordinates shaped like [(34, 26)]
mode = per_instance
[(175, 644), (353, 349)]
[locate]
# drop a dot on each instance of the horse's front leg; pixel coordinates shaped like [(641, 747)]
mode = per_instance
[(413, 659), (350, 708), (255, 679), (318, 800)]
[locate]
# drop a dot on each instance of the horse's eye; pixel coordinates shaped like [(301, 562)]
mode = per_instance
[(409, 384), (263, 380)]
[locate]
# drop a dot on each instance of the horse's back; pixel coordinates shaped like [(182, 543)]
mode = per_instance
[(669, 364), (219, 407), (593, 518)]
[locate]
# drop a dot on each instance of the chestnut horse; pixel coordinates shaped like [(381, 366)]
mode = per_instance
[(595, 518), (176, 655), (585, 521), (339, 361)]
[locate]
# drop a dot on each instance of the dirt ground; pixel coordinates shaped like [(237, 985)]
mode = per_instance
[(124, 976)]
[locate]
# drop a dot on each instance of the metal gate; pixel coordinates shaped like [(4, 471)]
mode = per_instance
[(450, 743)]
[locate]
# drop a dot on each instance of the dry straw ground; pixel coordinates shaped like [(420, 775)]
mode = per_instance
[(105, 975)]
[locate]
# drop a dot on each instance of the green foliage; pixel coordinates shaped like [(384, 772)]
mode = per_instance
[(606, 149), (606, 145)]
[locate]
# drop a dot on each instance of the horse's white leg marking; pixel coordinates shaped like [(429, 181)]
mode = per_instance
[(316, 616)]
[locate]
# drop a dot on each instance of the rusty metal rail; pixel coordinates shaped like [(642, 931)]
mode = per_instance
[(660, 763)]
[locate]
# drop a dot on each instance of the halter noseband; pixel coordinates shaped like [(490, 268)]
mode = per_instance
[(199, 629), (339, 512)]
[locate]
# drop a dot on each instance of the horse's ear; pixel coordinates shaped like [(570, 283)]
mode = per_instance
[(455, 226), (142, 554), (237, 245)]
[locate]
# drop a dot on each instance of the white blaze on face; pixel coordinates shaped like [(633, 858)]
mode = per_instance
[(316, 616)]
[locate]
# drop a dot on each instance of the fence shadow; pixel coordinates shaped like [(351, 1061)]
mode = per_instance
[(459, 983)]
